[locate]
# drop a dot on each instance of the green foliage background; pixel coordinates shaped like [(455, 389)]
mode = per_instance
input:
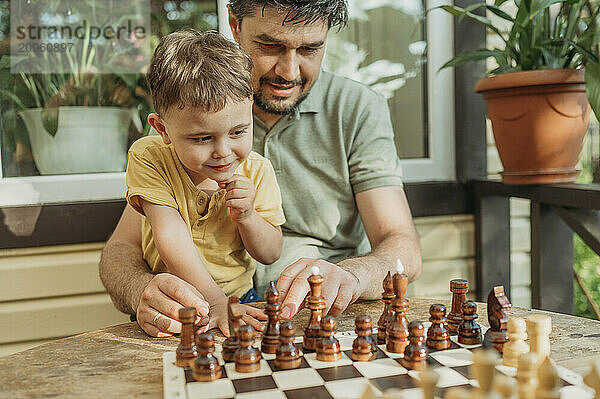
[(587, 265)]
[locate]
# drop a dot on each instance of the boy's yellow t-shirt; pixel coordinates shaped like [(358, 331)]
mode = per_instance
[(155, 173)]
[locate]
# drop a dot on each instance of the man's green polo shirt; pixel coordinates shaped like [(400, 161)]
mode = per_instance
[(338, 142)]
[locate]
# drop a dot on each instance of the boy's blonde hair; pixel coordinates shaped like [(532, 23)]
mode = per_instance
[(198, 69)]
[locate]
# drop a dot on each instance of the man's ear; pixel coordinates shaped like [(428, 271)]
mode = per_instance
[(157, 123), (234, 24)]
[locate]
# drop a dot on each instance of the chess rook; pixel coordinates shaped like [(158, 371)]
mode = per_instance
[(186, 351), (387, 316), (206, 365), (539, 327), (516, 345), (247, 358), (469, 331), (397, 330), (288, 355), (231, 344), (270, 339), (497, 304), (364, 347), (438, 335), (316, 303), (415, 354), (328, 348), (459, 289)]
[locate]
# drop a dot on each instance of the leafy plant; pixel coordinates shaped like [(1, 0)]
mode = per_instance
[(543, 34)]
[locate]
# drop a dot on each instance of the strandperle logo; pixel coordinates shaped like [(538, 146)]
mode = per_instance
[(80, 36), (35, 32)]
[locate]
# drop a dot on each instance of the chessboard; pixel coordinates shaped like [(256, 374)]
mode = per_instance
[(344, 378)]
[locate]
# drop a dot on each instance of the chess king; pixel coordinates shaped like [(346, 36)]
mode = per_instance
[(347, 206)]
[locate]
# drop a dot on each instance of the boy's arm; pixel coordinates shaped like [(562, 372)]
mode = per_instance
[(177, 250), (262, 240)]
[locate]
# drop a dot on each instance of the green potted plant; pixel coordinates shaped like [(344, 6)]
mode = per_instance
[(77, 122), (536, 94)]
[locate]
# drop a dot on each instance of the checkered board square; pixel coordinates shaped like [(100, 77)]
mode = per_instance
[(343, 378)]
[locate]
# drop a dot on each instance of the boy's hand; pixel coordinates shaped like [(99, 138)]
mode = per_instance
[(218, 317), (240, 197)]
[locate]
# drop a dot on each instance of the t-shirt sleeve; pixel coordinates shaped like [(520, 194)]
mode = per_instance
[(267, 201), (373, 161), (146, 179)]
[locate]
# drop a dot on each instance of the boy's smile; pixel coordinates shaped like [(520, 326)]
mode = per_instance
[(210, 145)]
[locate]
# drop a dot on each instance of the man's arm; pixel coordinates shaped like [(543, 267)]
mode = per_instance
[(388, 223), (135, 290)]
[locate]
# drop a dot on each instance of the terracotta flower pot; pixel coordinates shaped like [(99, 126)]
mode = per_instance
[(539, 119)]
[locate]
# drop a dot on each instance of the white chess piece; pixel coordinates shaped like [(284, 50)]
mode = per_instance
[(592, 379), (484, 369), (516, 342), (539, 327), (527, 375), (548, 382), (428, 379), (505, 386)]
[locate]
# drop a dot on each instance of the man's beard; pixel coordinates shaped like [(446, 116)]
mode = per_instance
[(274, 106)]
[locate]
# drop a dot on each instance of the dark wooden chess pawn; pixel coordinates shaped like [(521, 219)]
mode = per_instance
[(388, 314), (270, 339), (397, 330), (288, 355), (459, 289), (497, 303), (328, 349), (316, 303), (438, 335), (231, 344), (247, 357), (186, 351), (469, 332), (206, 365), (415, 354), (363, 348)]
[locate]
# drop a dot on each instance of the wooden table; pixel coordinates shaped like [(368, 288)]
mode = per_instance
[(122, 361)]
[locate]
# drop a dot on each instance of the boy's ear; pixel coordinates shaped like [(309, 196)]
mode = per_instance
[(234, 24), (157, 123)]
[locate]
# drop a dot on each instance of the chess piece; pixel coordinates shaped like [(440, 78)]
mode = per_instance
[(415, 354), (592, 379), (505, 386), (363, 348), (497, 304), (457, 393), (469, 331), (231, 344), (459, 289), (328, 349), (397, 330), (516, 342), (186, 351), (548, 381), (438, 335), (428, 379), (270, 339), (288, 355), (316, 303), (247, 358), (206, 365), (527, 381), (484, 368), (386, 296), (539, 327)]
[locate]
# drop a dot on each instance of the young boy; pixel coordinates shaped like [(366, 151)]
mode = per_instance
[(211, 205)]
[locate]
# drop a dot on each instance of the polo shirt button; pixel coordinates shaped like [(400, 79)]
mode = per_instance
[(200, 201), (199, 223)]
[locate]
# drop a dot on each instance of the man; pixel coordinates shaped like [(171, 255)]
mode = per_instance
[(331, 144)]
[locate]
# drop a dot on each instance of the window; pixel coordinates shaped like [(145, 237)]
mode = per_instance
[(386, 45), (70, 111)]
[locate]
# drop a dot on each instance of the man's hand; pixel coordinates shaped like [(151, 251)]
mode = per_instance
[(340, 288), (240, 196), (158, 310)]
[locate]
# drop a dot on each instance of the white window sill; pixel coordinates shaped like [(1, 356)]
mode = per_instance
[(37, 190)]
